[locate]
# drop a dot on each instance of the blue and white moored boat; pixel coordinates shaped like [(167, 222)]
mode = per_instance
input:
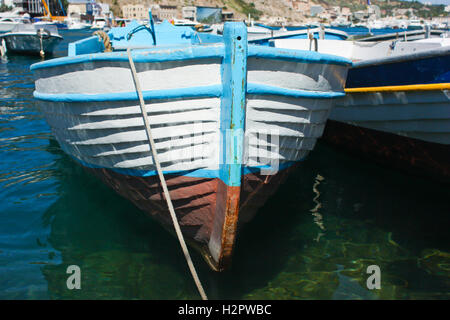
[(229, 120), (31, 39), (397, 107)]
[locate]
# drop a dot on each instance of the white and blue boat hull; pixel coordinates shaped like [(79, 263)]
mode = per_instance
[(229, 121)]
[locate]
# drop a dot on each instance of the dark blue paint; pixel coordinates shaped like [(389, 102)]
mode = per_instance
[(420, 71)]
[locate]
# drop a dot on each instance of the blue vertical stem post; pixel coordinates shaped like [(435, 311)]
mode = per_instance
[(232, 128), (234, 80)]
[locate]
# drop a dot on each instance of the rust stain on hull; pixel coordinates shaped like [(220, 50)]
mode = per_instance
[(231, 215)]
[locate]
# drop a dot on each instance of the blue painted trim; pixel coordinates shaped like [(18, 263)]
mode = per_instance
[(233, 104), (296, 55), (262, 89), (193, 92), (424, 68), (157, 54), (199, 173)]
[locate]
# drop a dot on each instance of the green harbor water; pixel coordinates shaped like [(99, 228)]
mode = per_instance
[(314, 239)]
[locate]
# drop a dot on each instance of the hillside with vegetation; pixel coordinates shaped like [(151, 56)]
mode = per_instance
[(420, 9), (265, 9)]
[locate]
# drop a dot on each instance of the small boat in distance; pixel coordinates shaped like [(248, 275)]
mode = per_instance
[(31, 39), (100, 22), (230, 121), (77, 24)]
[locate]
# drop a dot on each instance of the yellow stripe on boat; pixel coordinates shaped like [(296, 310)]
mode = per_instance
[(413, 87)]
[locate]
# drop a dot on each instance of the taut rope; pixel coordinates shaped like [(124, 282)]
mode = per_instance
[(162, 179)]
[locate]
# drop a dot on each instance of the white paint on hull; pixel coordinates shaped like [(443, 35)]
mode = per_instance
[(186, 131), (111, 77), (294, 75), (421, 115)]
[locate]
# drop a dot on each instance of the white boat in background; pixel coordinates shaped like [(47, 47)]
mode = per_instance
[(185, 23), (253, 31), (415, 24), (15, 13), (341, 22), (77, 24), (257, 31), (31, 39), (8, 23), (376, 24), (100, 22)]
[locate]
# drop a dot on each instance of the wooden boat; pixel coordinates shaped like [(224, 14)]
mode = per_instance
[(31, 39), (230, 121), (316, 33), (397, 107)]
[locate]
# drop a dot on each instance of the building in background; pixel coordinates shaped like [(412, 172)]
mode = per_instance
[(166, 12), (315, 10), (36, 8), (81, 9), (189, 13), (227, 16), (135, 11)]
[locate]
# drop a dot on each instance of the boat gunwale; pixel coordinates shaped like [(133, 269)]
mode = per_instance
[(292, 33), (193, 52), (140, 55), (426, 54), (400, 88), (186, 93), (4, 35)]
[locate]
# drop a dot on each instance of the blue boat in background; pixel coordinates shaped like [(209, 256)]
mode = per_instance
[(397, 107), (314, 33), (397, 111), (230, 120)]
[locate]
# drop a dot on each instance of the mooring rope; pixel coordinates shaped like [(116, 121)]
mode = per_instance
[(40, 33), (105, 38), (163, 180)]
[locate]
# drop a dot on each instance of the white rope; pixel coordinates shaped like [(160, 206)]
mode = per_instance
[(163, 180)]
